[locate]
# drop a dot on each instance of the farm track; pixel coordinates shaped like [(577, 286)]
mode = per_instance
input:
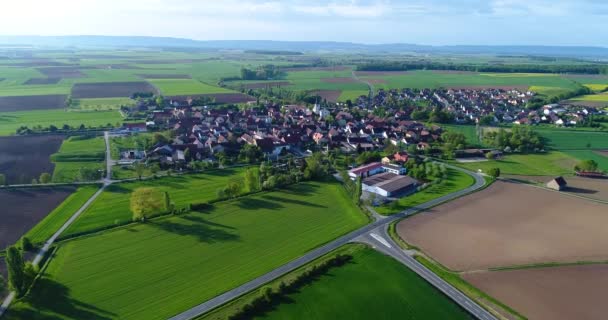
[(367, 83), (357, 235), (47, 245)]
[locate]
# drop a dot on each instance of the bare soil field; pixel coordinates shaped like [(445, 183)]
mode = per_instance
[(23, 158), (510, 224), (110, 89), (295, 69), (586, 187), (557, 293), (380, 73), (62, 72), (22, 209), (24, 103), (261, 85), (165, 76), (34, 81), (329, 95), (339, 80)]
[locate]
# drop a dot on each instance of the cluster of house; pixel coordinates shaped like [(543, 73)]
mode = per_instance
[(202, 133), (504, 105), (387, 178)]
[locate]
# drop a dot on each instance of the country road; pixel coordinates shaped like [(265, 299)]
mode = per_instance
[(372, 89), (382, 224), (47, 245)]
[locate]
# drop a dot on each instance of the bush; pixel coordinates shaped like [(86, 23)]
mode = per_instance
[(494, 172), (199, 206), (26, 244)]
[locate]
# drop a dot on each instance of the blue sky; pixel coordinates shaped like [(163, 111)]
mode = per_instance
[(436, 22)]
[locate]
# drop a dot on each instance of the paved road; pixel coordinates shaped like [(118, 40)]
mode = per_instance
[(47, 245), (307, 258), (381, 241)]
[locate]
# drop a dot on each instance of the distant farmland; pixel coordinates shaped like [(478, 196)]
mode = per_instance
[(23, 158), (26, 103), (110, 89)]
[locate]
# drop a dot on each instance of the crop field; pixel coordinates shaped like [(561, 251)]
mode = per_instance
[(194, 256), (25, 103), (556, 293), (545, 164), (456, 181), (22, 209), (101, 104), (543, 83), (54, 220), (601, 160), (596, 189), (372, 286), (34, 81), (539, 227), (352, 95), (23, 158), (165, 76), (112, 206), (602, 97), (11, 121), (75, 153), (109, 89), (564, 139), (180, 87)]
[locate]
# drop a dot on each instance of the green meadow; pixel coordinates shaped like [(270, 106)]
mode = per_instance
[(553, 163), (177, 87), (75, 153), (10, 121), (136, 272)]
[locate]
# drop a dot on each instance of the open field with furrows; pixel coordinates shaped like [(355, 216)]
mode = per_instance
[(596, 189), (178, 87), (110, 89), (77, 152), (54, 220), (370, 286), (165, 266), (22, 209), (510, 224), (544, 83), (11, 121), (23, 158), (112, 206), (542, 164), (553, 293)]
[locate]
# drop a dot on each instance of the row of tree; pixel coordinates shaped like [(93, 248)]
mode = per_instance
[(519, 139), (265, 72), (21, 274)]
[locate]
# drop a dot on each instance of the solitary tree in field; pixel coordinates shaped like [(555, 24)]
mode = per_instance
[(146, 202), (252, 182), (45, 177), (15, 265), (139, 169), (494, 172), (587, 166)]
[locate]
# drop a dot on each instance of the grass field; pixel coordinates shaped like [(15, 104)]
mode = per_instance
[(10, 121), (352, 94), (601, 160), (602, 97), (101, 104), (75, 153), (456, 181), (45, 228), (564, 139), (158, 269), (470, 133), (112, 206), (177, 87), (371, 286), (547, 164)]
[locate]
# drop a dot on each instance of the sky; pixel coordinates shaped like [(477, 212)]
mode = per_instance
[(431, 22)]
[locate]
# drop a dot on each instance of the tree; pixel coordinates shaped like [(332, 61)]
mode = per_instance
[(252, 182), (16, 266), (250, 153), (45, 178), (586, 166), (87, 174), (159, 101), (26, 244), (139, 169), (494, 172), (358, 190), (2, 179), (159, 139), (148, 201), (233, 189)]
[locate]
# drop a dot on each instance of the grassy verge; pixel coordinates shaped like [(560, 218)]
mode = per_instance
[(456, 281)]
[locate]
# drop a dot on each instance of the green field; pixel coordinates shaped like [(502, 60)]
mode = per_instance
[(101, 104), (75, 153), (178, 87), (112, 206), (565, 139), (372, 286), (456, 181), (352, 95), (553, 163), (469, 131), (10, 121), (165, 266), (54, 220), (602, 97), (601, 160)]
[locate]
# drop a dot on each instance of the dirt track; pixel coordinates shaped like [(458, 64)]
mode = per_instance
[(510, 224), (561, 293)]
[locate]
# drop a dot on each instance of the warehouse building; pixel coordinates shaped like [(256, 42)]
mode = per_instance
[(390, 185)]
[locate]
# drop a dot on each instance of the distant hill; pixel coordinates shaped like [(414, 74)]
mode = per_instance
[(296, 46)]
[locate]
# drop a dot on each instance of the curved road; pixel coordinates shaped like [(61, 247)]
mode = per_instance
[(358, 235)]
